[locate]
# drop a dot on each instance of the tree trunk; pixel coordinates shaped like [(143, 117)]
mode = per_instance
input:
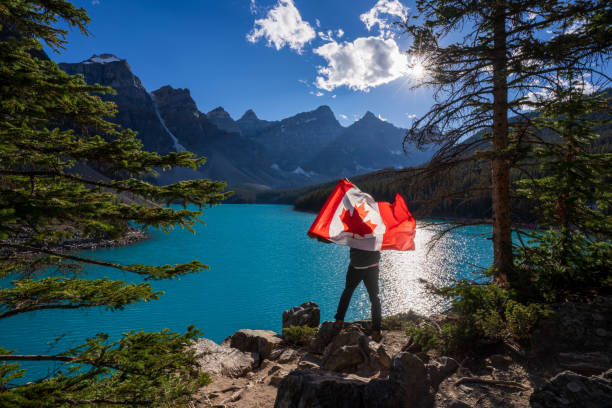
[(500, 166)]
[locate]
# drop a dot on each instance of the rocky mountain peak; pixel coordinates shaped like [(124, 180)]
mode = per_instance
[(324, 109), (223, 120), (167, 96), (249, 115), (368, 116)]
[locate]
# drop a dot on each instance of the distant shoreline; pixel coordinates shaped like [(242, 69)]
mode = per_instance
[(133, 236)]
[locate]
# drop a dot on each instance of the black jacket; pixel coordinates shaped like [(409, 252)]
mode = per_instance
[(361, 258)]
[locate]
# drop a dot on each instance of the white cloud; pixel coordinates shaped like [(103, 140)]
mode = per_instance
[(360, 65), (340, 33), (411, 115), (283, 26), (333, 96), (374, 17), (318, 93), (317, 22), (253, 7), (328, 36), (305, 82)]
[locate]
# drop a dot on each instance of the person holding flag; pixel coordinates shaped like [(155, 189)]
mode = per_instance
[(353, 218)]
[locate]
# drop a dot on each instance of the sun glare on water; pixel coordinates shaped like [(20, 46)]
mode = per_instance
[(401, 273)]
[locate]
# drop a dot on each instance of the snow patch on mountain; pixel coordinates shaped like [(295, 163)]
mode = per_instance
[(101, 59), (177, 146)]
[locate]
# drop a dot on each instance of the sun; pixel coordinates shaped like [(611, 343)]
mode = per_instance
[(417, 69)]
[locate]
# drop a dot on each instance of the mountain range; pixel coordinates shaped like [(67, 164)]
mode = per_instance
[(307, 148)]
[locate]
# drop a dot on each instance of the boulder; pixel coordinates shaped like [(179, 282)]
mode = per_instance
[(406, 387), (287, 356), (409, 377), (219, 360), (499, 361), (568, 389), (439, 369), (352, 351), (593, 363), (576, 326), (326, 333), (262, 342), (316, 389), (345, 359), (306, 314)]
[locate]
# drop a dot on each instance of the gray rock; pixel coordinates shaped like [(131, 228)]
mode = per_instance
[(576, 326), (458, 404), (406, 387), (326, 333), (499, 360), (306, 314), (568, 389), (352, 351), (307, 365), (585, 363), (262, 342), (287, 355), (230, 362), (439, 369), (409, 374), (316, 389), (276, 379), (345, 359)]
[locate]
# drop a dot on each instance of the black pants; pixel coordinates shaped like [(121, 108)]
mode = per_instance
[(370, 279)]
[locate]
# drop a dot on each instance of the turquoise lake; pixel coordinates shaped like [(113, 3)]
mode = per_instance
[(261, 263)]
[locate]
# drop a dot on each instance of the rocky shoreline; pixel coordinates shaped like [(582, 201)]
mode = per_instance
[(567, 364), (132, 236)]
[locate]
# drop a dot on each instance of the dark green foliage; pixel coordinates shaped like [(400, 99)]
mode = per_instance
[(395, 322), (66, 172), (481, 315), (299, 335), (572, 194)]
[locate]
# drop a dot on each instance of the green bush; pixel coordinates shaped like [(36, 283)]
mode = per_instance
[(395, 322), (521, 319), (483, 314), (299, 335)]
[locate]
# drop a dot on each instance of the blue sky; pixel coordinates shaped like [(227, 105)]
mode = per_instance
[(237, 53)]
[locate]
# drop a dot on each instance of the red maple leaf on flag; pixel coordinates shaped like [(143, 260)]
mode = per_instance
[(354, 222)]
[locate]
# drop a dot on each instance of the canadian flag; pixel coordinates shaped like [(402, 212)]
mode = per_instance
[(351, 217)]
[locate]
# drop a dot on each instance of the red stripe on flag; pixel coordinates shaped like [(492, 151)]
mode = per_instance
[(400, 225), (320, 226)]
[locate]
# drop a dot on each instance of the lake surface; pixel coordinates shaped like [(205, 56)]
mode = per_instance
[(261, 263)]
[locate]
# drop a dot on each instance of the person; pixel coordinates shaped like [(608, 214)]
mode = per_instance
[(363, 266)]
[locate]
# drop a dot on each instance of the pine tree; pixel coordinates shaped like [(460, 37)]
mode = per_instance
[(51, 125), (507, 57), (571, 252)]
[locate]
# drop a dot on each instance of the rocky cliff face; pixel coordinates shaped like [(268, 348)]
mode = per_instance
[(250, 125), (292, 142), (367, 145), (135, 106), (223, 120), (229, 156), (308, 148)]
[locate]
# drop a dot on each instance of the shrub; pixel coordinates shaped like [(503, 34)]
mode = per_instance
[(484, 314), (299, 335)]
